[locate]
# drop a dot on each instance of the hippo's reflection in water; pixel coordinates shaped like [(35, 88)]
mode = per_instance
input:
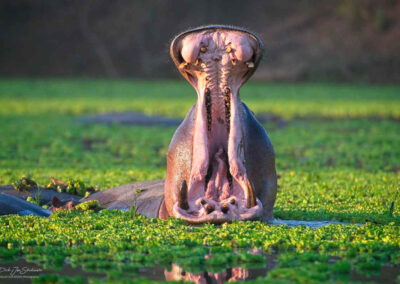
[(229, 275), (177, 273)]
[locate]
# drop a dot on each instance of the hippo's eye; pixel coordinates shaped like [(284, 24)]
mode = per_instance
[(203, 49), (228, 49)]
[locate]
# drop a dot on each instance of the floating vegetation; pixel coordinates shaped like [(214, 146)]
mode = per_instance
[(71, 186), (25, 184), (110, 241), (337, 158)]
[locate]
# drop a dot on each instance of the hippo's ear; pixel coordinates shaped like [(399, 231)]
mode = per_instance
[(56, 202), (257, 47), (176, 54)]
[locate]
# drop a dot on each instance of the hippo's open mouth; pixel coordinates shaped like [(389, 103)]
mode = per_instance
[(218, 197), (217, 61)]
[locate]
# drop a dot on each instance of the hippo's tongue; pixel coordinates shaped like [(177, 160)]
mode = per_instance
[(217, 63)]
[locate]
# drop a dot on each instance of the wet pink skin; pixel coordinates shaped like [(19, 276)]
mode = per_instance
[(216, 62)]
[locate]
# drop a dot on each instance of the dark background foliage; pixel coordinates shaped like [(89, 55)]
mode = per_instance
[(341, 40)]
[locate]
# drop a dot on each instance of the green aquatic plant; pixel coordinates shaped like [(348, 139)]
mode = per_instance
[(25, 184), (71, 186), (116, 241), (89, 205), (337, 158)]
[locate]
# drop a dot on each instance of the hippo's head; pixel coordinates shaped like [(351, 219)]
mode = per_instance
[(201, 53), (208, 177)]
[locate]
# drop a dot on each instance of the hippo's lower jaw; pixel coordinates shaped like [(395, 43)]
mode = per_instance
[(222, 212)]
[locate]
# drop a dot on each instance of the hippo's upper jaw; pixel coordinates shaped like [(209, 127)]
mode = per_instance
[(216, 60)]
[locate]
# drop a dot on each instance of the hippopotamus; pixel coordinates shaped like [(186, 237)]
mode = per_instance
[(220, 162)]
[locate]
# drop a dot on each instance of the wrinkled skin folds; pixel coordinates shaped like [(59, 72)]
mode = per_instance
[(220, 163)]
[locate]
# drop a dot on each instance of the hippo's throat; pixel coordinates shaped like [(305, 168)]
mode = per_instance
[(218, 189)]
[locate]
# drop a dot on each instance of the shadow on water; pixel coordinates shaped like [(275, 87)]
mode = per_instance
[(137, 118), (388, 274), (311, 224), (22, 271)]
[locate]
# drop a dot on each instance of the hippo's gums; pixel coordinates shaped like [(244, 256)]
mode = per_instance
[(220, 163)]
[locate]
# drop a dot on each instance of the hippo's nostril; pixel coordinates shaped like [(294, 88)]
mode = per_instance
[(203, 49), (224, 208), (232, 201), (209, 208), (202, 202)]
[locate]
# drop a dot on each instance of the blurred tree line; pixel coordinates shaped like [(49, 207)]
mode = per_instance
[(341, 40)]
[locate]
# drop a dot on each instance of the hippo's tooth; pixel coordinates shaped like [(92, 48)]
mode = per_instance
[(183, 196), (251, 200), (250, 64), (183, 65)]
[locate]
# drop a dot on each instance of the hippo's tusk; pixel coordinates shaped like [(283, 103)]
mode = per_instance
[(183, 65), (251, 199), (183, 196)]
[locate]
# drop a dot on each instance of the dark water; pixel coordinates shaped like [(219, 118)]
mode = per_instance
[(388, 274), (23, 272), (311, 224)]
